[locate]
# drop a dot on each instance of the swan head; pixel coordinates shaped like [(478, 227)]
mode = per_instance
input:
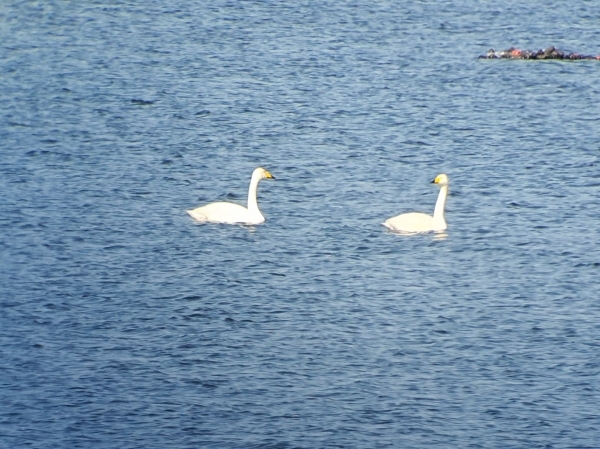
[(261, 173), (441, 179)]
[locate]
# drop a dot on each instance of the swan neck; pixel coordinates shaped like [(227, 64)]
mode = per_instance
[(438, 212), (252, 203)]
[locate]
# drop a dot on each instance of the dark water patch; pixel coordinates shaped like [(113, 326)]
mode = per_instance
[(141, 102)]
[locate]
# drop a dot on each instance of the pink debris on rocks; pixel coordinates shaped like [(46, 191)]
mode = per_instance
[(548, 53)]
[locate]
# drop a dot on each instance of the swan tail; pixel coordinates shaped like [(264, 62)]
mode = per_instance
[(389, 225), (197, 215)]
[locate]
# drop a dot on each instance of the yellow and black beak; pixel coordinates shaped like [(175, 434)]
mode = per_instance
[(268, 175)]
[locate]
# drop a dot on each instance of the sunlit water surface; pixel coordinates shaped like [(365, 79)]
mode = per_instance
[(123, 324)]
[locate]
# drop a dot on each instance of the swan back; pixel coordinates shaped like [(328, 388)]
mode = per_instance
[(410, 222), (224, 212)]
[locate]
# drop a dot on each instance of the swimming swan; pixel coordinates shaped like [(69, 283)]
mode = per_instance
[(418, 222), (223, 212)]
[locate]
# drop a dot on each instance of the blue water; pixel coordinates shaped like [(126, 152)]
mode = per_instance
[(123, 324)]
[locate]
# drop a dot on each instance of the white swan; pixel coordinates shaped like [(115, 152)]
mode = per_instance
[(418, 222), (223, 212)]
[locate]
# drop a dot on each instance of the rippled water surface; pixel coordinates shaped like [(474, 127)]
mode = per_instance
[(123, 324)]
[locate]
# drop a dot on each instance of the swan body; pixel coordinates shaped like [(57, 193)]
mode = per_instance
[(224, 212), (418, 222)]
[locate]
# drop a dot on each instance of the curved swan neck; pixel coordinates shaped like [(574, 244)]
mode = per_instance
[(438, 212), (252, 203)]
